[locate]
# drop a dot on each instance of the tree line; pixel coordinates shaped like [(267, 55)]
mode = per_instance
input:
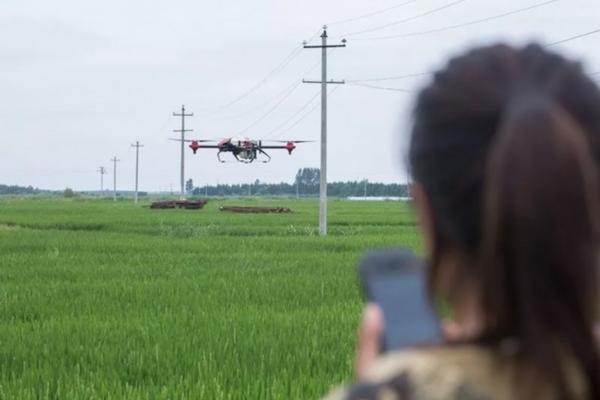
[(18, 190), (306, 184)]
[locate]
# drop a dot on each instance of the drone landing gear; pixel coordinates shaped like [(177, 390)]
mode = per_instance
[(265, 153), (219, 157), (243, 160)]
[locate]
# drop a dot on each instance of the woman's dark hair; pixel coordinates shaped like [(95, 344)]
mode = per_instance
[(506, 146)]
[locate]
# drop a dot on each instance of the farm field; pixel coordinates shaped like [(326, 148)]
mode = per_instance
[(109, 300)]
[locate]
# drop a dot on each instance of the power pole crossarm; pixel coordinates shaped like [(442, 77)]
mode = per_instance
[(323, 82), (183, 131), (137, 146), (329, 82)]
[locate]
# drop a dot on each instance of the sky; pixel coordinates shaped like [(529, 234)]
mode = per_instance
[(83, 80)]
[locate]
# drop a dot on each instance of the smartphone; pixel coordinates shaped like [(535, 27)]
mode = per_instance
[(395, 279)]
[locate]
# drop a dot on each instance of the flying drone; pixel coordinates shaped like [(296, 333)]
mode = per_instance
[(244, 150)]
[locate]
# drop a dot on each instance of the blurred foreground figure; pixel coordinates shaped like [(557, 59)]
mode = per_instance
[(504, 153)]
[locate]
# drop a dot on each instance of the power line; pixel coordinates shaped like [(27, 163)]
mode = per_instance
[(294, 83), (287, 94), (263, 104), (284, 63), (298, 112), (287, 60), (272, 109), (406, 76), (332, 91), (302, 108), (382, 87), (390, 78), (574, 37), (371, 14), (462, 25), (412, 18)]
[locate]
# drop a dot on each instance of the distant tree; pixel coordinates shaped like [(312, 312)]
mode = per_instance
[(308, 180), (18, 190), (69, 193), (189, 185)]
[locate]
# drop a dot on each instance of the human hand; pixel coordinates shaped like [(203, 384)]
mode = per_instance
[(369, 339)]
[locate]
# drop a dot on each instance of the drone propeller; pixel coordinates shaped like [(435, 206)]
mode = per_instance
[(193, 140), (290, 141)]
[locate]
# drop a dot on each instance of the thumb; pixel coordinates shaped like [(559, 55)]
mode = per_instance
[(369, 339)]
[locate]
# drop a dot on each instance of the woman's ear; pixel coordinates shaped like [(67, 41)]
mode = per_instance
[(424, 216)]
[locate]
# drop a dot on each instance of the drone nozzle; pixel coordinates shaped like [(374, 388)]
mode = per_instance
[(290, 146), (194, 146)]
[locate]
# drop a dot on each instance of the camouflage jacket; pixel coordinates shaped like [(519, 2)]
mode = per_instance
[(450, 373)]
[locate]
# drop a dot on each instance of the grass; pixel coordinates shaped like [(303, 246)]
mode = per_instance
[(103, 300)]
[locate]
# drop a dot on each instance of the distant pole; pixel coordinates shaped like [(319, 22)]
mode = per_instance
[(137, 146), (297, 188), (183, 131), (366, 183), (102, 172), (115, 160), (206, 190), (323, 82)]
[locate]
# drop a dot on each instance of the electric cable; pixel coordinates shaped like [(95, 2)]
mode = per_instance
[(595, 31), (408, 19), (298, 112), (371, 14), (390, 78), (399, 77), (462, 25), (261, 105), (249, 111), (332, 91), (253, 88), (272, 109), (281, 66), (382, 88)]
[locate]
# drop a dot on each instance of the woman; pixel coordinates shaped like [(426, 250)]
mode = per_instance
[(505, 152)]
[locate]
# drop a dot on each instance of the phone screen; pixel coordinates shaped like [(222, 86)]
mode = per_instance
[(400, 290)]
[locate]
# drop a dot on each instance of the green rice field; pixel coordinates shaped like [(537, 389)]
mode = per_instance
[(111, 300)]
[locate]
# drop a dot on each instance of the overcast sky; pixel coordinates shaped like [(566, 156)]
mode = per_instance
[(82, 80)]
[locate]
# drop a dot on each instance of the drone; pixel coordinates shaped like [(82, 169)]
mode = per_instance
[(244, 150)]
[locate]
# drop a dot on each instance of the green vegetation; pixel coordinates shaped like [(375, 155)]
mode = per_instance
[(13, 190), (102, 299)]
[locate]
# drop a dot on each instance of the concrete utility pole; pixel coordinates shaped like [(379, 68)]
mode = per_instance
[(137, 146), (115, 160), (102, 172), (366, 183), (183, 131), (323, 82)]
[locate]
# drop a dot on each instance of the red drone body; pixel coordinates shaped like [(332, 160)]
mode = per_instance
[(244, 150)]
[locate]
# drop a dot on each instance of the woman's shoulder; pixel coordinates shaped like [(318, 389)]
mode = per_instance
[(463, 372)]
